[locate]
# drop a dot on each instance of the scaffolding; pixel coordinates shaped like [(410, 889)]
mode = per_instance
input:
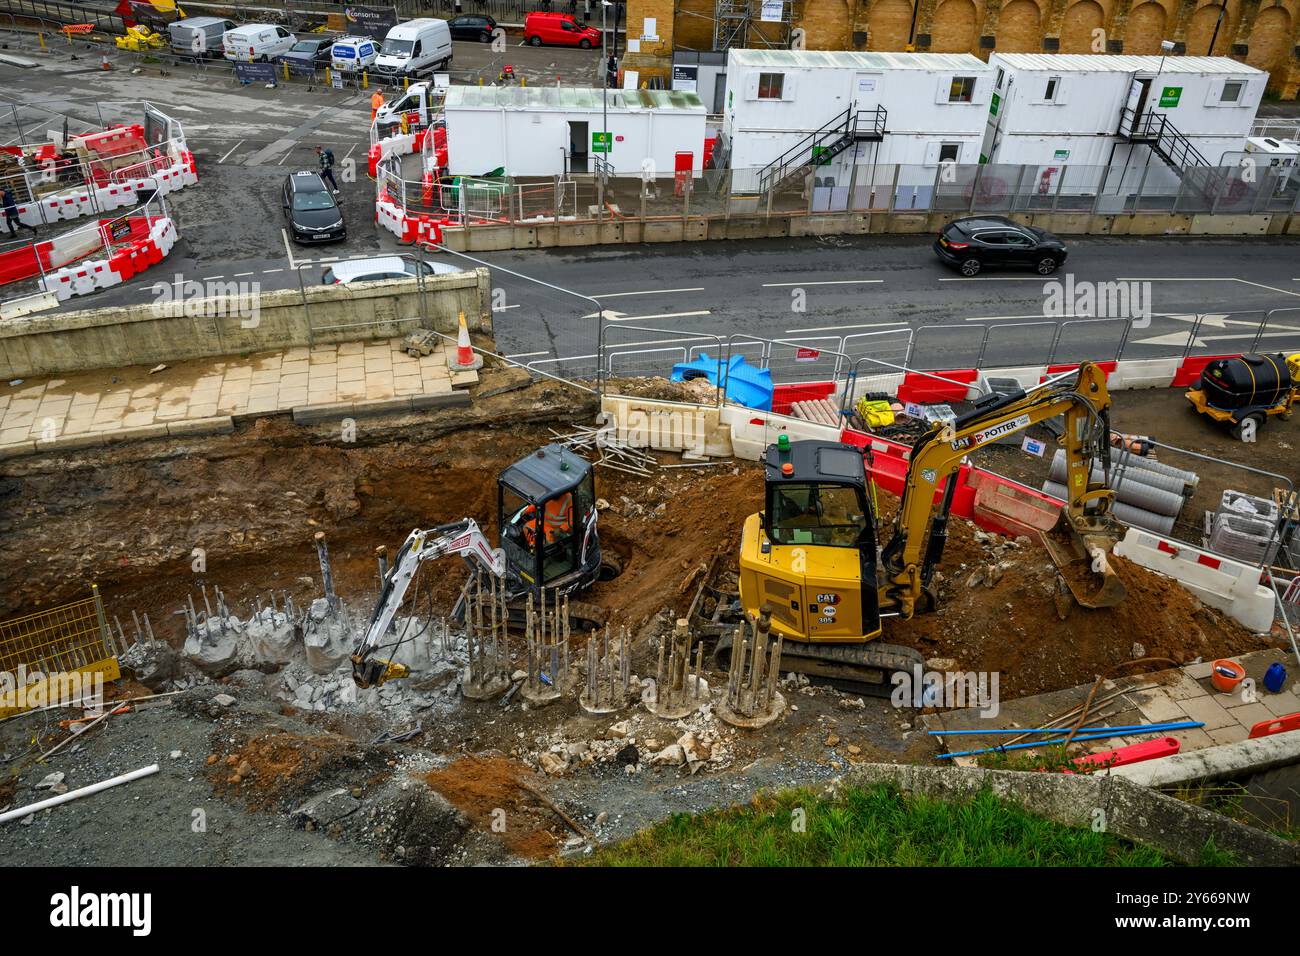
[(743, 23)]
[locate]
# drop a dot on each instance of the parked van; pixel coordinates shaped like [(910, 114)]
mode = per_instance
[(199, 36), (559, 29), (420, 104), (257, 42), (414, 48), (353, 54)]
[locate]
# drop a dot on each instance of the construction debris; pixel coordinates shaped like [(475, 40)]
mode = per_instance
[(613, 451)]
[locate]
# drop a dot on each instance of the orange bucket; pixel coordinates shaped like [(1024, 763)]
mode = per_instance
[(1225, 675)]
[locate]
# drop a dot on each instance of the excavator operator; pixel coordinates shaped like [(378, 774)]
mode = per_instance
[(557, 519)]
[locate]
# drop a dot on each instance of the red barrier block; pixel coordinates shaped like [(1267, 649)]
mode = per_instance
[(924, 390), (376, 152), (1192, 368), (1278, 725)]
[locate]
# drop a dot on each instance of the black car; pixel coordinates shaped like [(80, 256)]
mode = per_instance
[(311, 52), (472, 26), (310, 208), (971, 244)]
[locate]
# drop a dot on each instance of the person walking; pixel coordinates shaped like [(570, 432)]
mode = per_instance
[(10, 205), (326, 159)]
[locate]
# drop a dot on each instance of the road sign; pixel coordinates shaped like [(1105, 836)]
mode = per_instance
[(601, 142)]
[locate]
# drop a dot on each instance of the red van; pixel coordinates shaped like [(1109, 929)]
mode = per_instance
[(559, 29)]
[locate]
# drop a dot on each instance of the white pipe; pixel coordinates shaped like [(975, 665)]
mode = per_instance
[(75, 794)]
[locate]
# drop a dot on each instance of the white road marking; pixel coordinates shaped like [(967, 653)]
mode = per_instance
[(838, 328), (267, 272), (999, 279), (506, 308), (614, 317), (232, 149), (287, 248), (519, 355), (1258, 285), (618, 295), (779, 285), (285, 156), (1040, 315), (212, 278), (240, 275)]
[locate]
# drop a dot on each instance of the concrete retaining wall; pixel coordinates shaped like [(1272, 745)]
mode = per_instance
[(152, 332), (1172, 826), (541, 235)]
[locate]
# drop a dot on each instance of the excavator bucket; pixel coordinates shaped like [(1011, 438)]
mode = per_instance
[(1084, 563)]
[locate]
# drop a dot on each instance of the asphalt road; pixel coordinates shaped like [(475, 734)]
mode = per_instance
[(874, 290)]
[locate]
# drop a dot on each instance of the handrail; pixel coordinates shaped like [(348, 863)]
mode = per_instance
[(1156, 127), (773, 170)]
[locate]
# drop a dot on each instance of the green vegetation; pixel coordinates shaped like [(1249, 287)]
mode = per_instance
[(875, 827)]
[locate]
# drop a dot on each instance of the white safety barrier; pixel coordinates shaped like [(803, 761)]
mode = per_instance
[(90, 275), (181, 172), (1230, 586), (389, 216)]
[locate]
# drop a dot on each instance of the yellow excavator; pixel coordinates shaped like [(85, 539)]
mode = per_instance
[(812, 556)]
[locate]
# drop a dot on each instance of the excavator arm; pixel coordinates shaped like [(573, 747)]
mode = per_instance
[(459, 537), (912, 554)]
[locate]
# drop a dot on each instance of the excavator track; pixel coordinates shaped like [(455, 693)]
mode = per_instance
[(865, 668)]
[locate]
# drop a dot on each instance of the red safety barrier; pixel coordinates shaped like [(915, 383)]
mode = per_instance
[(1278, 725), (19, 264), (376, 152), (426, 189), (1133, 753), (927, 389), (783, 396), (1192, 368), (1106, 367)]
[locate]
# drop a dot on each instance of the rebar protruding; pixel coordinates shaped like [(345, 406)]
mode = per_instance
[(327, 577), (752, 699)]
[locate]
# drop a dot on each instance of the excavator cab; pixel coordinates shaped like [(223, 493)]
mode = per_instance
[(811, 554), (546, 510)]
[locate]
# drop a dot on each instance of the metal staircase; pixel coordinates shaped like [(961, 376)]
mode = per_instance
[(1163, 138), (821, 146)]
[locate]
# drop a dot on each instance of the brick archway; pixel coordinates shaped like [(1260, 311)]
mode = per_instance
[(955, 29), (1270, 43), (888, 25), (826, 24), (1146, 28), (1201, 29), (1078, 25), (1020, 28)]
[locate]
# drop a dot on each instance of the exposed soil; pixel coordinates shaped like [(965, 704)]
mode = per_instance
[(265, 769), (490, 792)]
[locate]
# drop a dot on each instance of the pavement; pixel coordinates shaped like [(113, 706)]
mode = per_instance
[(207, 394), (1171, 696)]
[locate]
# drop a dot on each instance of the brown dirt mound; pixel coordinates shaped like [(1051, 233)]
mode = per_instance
[(1014, 627), (271, 767), (481, 786)]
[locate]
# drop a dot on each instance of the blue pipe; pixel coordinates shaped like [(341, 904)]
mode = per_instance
[(1061, 740), (1061, 730)]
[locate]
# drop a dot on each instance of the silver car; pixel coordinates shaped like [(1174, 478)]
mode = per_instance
[(382, 267)]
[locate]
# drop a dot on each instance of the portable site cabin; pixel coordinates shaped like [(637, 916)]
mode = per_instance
[(1143, 114), (549, 131), (788, 110)]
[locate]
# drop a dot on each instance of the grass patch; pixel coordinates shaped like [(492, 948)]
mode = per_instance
[(872, 827)]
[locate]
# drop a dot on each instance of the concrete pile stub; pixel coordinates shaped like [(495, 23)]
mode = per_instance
[(752, 699), (609, 672), (546, 633), (487, 674), (676, 691)]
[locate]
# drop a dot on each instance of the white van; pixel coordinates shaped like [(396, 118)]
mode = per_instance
[(353, 54), (257, 41), (414, 48), (199, 36), (422, 98)]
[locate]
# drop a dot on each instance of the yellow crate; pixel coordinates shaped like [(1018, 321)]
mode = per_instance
[(64, 644)]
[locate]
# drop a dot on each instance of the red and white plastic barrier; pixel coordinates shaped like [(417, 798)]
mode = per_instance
[(151, 240), (177, 174), (406, 227)]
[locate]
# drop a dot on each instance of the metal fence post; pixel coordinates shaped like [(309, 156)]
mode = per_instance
[(893, 188)]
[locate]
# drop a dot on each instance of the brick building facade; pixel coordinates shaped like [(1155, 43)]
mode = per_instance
[(1262, 33)]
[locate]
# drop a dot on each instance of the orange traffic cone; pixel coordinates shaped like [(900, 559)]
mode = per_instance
[(465, 358)]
